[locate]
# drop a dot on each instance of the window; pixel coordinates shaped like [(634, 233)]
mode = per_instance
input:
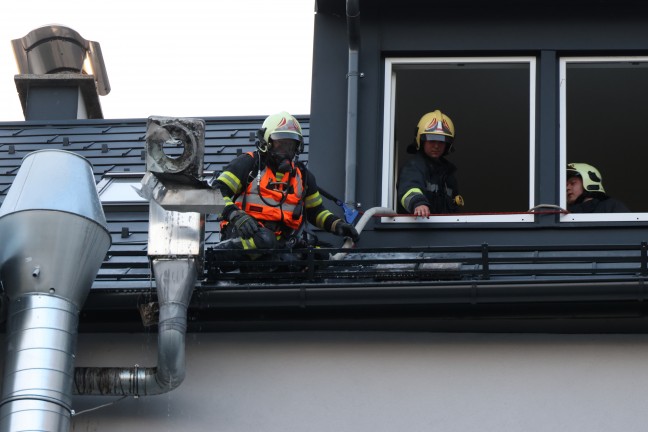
[(120, 189), (491, 102), (603, 123)]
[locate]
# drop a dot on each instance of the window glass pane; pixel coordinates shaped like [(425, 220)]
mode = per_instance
[(120, 190), (603, 125)]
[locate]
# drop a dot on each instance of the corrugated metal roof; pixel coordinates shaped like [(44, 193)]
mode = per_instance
[(118, 146)]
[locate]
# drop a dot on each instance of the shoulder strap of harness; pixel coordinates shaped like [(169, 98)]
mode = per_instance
[(250, 177)]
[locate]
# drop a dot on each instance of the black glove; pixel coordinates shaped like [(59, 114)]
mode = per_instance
[(347, 230), (245, 224)]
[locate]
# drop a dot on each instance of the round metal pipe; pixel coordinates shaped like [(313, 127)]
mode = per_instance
[(175, 280), (54, 237), (39, 364), (52, 228)]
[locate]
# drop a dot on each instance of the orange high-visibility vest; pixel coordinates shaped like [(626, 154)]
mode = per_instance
[(267, 199)]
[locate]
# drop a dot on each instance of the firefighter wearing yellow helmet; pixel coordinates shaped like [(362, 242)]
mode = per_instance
[(269, 194), (435, 126), (427, 183), (585, 191)]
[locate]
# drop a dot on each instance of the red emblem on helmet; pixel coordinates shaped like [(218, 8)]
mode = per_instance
[(446, 127), (433, 125)]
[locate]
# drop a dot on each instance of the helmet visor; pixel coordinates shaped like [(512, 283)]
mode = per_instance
[(285, 145), (572, 173), (275, 136), (436, 137)]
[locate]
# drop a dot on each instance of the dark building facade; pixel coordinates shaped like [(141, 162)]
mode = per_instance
[(530, 86)]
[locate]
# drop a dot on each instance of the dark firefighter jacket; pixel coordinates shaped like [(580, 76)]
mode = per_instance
[(277, 202), (598, 204), (424, 180)]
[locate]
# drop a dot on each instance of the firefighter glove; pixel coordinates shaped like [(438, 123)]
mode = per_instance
[(347, 230), (245, 224)]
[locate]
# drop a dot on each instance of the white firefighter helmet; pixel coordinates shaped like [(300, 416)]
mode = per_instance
[(280, 126), (592, 179)]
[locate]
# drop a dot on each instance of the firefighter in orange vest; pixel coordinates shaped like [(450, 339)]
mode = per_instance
[(269, 195)]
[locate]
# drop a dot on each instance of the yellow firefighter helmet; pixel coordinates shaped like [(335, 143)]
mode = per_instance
[(435, 126)]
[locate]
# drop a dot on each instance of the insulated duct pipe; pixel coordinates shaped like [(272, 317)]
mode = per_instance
[(175, 280), (54, 238), (353, 75)]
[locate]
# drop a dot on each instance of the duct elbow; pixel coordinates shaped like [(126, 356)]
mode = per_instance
[(171, 370), (166, 383)]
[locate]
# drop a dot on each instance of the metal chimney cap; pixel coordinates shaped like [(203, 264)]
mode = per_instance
[(54, 49)]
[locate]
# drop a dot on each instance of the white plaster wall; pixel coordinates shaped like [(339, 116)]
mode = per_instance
[(357, 381)]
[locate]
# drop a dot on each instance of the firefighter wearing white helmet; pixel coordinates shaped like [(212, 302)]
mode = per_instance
[(427, 183), (281, 126), (585, 191), (269, 194)]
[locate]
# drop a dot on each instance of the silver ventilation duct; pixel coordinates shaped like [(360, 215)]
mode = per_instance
[(54, 238), (178, 194), (175, 280)]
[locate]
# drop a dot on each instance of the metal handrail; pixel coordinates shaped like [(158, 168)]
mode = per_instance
[(472, 262)]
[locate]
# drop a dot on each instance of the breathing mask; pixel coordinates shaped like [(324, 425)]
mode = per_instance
[(282, 153)]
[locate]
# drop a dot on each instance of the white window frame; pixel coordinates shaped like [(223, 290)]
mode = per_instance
[(388, 198), (585, 217)]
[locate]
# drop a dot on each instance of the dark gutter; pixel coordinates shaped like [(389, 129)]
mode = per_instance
[(378, 306), (472, 293)]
